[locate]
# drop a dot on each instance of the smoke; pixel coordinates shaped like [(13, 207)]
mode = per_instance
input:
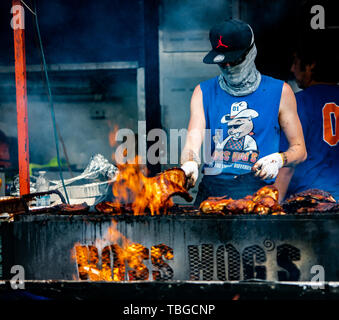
[(74, 32), (83, 31), (110, 30), (193, 14)]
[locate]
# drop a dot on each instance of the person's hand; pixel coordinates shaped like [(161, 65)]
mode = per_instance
[(268, 167), (192, 171)]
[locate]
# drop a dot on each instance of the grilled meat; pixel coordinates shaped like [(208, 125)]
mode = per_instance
[(317, 194), (262, 210), (13, 205), (113, 207), (167, 184), (320, 207), (310, 200), (174, 175), (270, 191), (215, 205), (63, 208), (71, 208), (264, 201), (241, 206), (144, 193), (266, 205)]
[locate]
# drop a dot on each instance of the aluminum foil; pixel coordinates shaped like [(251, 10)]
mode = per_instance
[(98, 168), (99, 165)]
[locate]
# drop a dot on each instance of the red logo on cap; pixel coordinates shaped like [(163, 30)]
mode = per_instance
[(220, 44)]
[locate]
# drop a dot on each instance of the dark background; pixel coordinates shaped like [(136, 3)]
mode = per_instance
[(111, 30), (108, 30)]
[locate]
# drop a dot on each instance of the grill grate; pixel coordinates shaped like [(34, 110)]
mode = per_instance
[(251, 256), (201, 262)]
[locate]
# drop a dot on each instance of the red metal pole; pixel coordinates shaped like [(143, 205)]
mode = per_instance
[(21, 95)]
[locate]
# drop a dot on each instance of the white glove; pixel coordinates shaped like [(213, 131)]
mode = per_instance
[(268, 167), (191, 170)]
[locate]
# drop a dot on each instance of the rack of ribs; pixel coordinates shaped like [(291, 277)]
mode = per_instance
[(311, 200)]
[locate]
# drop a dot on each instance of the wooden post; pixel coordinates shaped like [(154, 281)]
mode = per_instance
[(18, 25)]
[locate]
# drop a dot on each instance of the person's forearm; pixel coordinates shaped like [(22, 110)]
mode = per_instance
[(196, 129), (188, 154), (192, 147), (294, 155), (190, 159), (282, 181)]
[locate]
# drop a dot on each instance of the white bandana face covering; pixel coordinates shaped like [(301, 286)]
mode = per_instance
[(242, 79)]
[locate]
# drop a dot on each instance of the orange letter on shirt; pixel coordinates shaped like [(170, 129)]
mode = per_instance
[(329, 136)]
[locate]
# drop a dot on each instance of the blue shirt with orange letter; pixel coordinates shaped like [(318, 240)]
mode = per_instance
[(318, 109)]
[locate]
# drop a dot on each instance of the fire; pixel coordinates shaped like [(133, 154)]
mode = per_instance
[(157, 252), (105, 261), (112, 135), (133, 188)]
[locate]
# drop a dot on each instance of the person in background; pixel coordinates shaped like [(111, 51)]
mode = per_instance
[(244, 111), (317, 73), (5, 159)]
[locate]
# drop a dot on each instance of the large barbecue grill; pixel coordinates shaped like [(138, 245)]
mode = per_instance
[(207, 248), (140, 246), (112, 242)]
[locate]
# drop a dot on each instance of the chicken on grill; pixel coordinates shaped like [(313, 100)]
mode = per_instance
[(215, 204), (240, 206), (167, 184), (264, 201), (111, 207), (148, 194), (267, 191)]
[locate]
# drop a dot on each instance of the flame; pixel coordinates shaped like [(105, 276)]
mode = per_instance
[(112, 135), (133, 188), (105, 261), (157, 252), (131, 184)]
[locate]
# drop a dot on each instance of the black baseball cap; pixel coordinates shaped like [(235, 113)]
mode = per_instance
[(230, 40)]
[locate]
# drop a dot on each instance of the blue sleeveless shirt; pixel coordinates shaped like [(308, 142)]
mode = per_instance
[(318, 109), (242, 129)]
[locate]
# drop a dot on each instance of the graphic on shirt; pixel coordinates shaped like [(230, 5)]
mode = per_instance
[(331, 124), (239, 149)]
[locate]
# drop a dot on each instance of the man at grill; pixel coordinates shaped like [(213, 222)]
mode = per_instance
[(318, 107), (244, 111)]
